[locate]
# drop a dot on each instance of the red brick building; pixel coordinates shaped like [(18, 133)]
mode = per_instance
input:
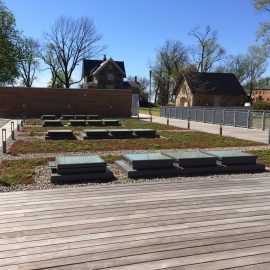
[(261, 95)]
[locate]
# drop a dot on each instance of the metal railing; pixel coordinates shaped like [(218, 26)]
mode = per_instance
[(237, 117)]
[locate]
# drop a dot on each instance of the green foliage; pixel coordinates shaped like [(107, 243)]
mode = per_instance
[(9, 51), (57, 80), (261, 105), (15, 172)]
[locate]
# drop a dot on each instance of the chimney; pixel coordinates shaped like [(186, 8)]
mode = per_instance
[(135, 78), (104, 57)]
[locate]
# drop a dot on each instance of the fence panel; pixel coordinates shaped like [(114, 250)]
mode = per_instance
[(218, 116), (208, 117), (239, 117), (199, 115)]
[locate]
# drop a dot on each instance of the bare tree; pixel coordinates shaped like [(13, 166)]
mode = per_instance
[(143, 91), (169, 59), (207, 52), (239, 65), (256, 66), (262, 4), (28, 61), (68, 43)]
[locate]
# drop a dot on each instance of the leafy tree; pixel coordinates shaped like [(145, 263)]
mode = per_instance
[(9, 51), (28, 61), (207, 52), (67, 44), (55, 82), (170, 58)]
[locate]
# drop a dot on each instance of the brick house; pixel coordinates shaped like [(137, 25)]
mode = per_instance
[(261, 95), (208, 89), (103, 74)]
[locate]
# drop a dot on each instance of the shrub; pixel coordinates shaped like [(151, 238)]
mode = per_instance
[(261, 105)]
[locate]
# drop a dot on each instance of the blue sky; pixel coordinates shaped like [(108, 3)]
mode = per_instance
[(134, 30)]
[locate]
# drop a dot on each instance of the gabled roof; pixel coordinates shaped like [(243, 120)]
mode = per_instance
[(212, 83), (91, 66)]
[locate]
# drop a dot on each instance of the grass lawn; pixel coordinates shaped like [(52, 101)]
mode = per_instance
[(263, 156), (15, 172), (21, 172), (125, 123), (168, 140), (154, 110)]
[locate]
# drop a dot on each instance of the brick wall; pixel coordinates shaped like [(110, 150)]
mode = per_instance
[(261, 95), (33, 102)]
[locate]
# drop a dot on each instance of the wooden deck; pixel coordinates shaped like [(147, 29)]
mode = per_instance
[(213, 224)]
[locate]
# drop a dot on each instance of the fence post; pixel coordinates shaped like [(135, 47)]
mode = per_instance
[(167, 121), (195, 114), (182, 113), (220, 128), (18, 125), (151, 120), (188, 123), (213, 116), (234, 119), (12, 131), (204, 115), (263, 121), (4, 140), (223, 116), (248, 119)]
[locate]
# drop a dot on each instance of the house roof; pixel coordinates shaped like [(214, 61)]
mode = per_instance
[(212, 83), (131, 84), (91, 66)]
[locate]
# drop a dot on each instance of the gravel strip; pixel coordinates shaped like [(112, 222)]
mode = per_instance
[(42, 180), (117, 153)]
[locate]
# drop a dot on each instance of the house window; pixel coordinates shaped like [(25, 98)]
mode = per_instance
[(110, 76)]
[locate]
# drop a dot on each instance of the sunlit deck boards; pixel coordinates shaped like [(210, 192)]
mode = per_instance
[(195, 224)]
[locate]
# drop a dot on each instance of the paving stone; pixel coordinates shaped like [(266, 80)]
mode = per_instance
[(109, 122), (146, 133), (232, 157), (93, 116), (80, 116), (192, 159), (67, 116), (121, 133), (96, 134), (61, 134), (148, 161), (52, 123), (77, 123), (94, 122), (48, 117)]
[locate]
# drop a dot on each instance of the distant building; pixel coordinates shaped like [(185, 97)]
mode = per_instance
[(261, 95), (135, 86), (208, 89), (103, 74)]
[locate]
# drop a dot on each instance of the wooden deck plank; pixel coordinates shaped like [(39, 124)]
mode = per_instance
[(182, 225)]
